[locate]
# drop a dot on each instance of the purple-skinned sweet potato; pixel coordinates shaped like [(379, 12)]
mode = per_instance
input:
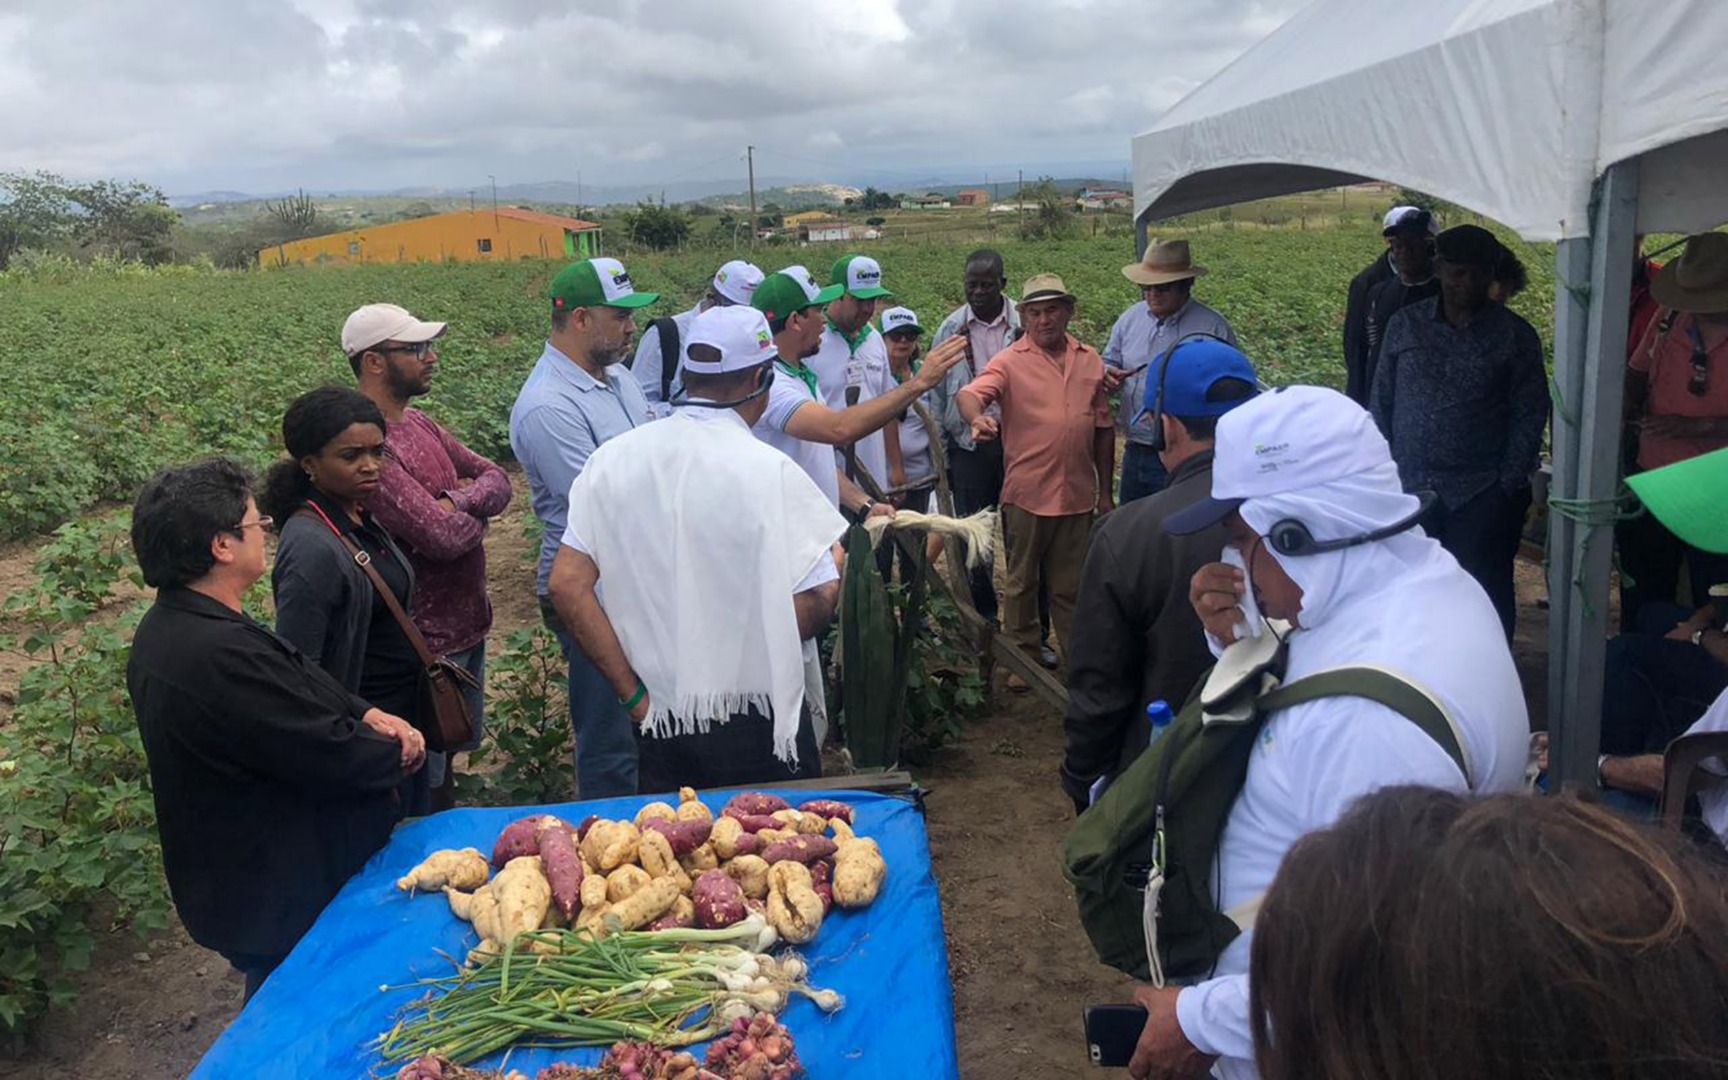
[(684, 836), (828, 808), (562, 865), (757, 803), (719, 900), (822, 880), (802, 848), (752, 822), (519, 838), (586, 824)]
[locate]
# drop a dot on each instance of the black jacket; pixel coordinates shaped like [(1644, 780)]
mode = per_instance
[(1357, 383), (1136, 638), (270, 792)]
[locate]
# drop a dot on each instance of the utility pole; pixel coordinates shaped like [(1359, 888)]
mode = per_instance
[(578, 190), (494, 180), (1020, 197), (750, 159), (470, 200)]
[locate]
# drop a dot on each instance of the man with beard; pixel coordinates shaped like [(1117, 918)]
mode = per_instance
[(435, 496), (578, 396)]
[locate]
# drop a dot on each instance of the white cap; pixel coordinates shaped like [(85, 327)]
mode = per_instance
[(1283, 442), (737, 281), (378, 323), (739, 332), (1394, 214), (900, 318)]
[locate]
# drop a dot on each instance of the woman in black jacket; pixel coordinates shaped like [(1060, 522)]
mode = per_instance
[(273, 784), (325, 601)]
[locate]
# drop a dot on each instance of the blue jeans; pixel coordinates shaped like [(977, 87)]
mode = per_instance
[(605, 752), (1142, 473), (473, 660)]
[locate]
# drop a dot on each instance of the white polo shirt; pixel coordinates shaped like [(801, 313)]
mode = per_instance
[(836, 366), (786, 396)]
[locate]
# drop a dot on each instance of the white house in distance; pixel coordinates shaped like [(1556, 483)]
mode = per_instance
[(1104, 199), (932, 201)]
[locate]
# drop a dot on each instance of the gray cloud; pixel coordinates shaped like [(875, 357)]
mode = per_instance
[(256, 94)]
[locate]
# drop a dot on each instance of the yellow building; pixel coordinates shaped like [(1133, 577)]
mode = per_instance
[(468, 235), (792, 221)]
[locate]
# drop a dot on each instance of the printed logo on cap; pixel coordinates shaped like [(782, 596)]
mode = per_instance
[(808, 283), (614, 280), (864, 274), (763, 341)]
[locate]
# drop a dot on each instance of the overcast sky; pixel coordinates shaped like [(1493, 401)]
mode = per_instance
[(258, 95)]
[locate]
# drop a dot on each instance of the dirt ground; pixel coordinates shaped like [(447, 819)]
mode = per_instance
[(1020, 965)]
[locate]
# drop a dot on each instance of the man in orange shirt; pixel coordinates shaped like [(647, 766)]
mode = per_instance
[(1059, 448)]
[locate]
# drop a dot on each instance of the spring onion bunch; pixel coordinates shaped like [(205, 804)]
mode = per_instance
[(562, 988)]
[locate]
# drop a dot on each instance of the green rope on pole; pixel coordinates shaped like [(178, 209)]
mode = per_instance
[(1559, 401)]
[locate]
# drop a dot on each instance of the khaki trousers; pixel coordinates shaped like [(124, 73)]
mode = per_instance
[(1050, 549)]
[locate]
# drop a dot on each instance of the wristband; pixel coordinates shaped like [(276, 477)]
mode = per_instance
[(1600, 758), (636, 698)]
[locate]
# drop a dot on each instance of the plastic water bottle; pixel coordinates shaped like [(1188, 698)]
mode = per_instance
[(1158, 714), (1161, 717)]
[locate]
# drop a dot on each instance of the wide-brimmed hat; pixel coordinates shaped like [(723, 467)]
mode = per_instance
[(1165, 261), (1041, 287), (1696, 282), (1690, 498)]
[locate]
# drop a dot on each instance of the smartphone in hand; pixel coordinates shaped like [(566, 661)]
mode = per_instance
[(1112, 1031)]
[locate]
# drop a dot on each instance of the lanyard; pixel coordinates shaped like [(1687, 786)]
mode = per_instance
[(897, 379), (802, 374)]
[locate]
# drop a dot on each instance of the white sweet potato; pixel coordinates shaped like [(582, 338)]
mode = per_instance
[(463, 868), (794, 909), (625, 882), (642, 906), (859, 871), (661, 810), (751, 874)]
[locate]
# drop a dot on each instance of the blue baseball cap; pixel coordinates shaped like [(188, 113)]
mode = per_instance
[(1196, 365)]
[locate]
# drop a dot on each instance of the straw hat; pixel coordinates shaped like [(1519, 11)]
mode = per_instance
[(1041, 287), (1165, 261), (1696, 282)]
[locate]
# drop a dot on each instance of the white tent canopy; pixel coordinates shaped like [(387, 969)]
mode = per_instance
[(1581, 121), (1512, 108)]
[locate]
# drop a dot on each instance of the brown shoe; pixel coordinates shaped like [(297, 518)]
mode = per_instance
[(1017, 684)]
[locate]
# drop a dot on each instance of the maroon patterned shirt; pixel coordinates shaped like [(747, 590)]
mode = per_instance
[(424, 463)]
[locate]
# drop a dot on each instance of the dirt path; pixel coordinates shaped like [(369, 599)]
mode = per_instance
[(1021, 967)]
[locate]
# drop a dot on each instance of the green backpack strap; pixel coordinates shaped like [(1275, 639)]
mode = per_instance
[(1397, 692)]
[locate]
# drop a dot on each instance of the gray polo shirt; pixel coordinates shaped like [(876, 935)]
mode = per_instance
[(1137, 338), (559, 418)]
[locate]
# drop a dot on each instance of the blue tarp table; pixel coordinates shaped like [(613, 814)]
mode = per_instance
[(316, 1015)]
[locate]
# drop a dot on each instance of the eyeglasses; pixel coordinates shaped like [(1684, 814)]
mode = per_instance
[(1168, 286), (264, 522), (420, 349)]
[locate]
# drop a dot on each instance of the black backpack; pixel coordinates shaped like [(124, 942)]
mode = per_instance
[(668, 328)]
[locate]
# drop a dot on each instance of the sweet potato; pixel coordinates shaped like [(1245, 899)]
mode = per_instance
[(483, 913), (725, 836), (610, 844), (655, 853), (594, 888), (684, 836), (520, 837), (562, 866), (703, 858), (859, 871), (625, 882), (842, 830), (800, 848), (681, 914), (751, 874), (828, 808), (584, 825), (690, 808), (757, 803), (461, 903), (642, 906), (751, 822), (822, 883), (772, 836), (661, 810), (794, 909), (523, 895), (464, 868), (718, 899)]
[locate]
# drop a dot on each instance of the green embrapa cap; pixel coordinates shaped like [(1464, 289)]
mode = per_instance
[(596, 283), (791, 290), (1691, 498), (861, 276)]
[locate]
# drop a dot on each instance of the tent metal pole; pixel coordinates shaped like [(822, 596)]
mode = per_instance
[(1591, 375), (1140, 240), (1571, 269)]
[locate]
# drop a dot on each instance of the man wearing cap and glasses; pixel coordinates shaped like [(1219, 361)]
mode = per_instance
[(1059, 448), (1322, 536), (577, 398), (1356, 306), (901, 334), (435, 497), (796, 422), (1462, 395), (1410, 246), (657, 356), (1146, 330), (1677, 396), (1136, 637), (851, 361), (695, 562)]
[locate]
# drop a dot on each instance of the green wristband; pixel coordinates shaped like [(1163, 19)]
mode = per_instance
[(641, 692)]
